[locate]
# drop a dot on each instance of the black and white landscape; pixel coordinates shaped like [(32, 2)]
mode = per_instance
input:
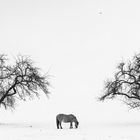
[(78, 44)]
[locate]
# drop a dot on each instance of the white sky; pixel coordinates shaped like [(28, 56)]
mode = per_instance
[(81, 42)]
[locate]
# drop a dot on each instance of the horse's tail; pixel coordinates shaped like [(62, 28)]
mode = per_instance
[(57, 123)]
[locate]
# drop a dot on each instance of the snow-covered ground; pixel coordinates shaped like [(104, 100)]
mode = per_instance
[(95, 131)]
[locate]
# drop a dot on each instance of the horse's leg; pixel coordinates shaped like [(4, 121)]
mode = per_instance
[(71, 125), (61, 126), (57, 123), (58, 126)]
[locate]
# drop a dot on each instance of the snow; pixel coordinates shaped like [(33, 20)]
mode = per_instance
[(93, 131)]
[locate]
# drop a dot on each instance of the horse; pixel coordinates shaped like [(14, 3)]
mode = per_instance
[(67, 119)]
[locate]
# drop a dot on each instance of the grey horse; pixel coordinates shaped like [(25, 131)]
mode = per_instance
[(67, 119)]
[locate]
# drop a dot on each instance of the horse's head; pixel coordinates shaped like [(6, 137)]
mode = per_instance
[(76, 124)]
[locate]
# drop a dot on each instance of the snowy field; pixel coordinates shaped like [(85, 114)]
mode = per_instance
[(42, 131)]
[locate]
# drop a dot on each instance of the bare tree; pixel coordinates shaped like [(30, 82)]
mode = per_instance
[(126, 83), (20, 80)]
